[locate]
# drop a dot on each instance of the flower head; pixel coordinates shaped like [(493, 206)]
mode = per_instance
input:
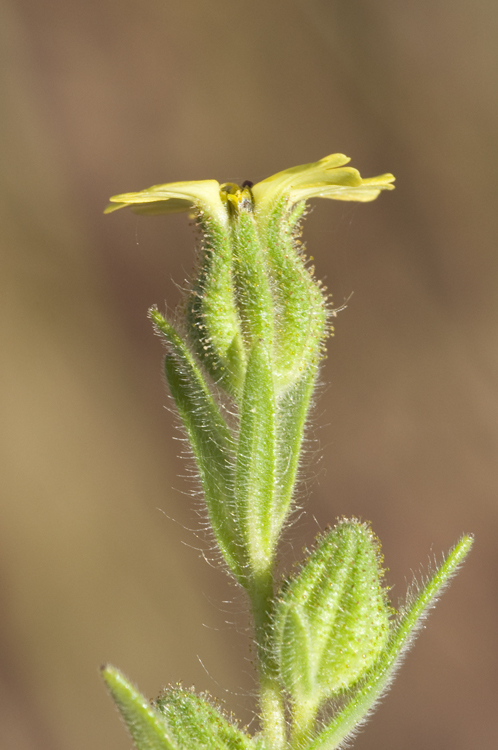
[(327, 178)]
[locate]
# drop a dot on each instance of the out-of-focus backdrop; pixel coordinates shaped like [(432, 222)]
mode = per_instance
[(97, 558)]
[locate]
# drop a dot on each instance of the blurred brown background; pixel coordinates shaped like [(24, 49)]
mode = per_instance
[(102, 97)]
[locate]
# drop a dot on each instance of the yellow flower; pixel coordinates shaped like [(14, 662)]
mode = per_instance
[(327, 178), (173, 197)]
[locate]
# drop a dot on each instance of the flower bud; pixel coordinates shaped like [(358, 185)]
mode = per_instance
[(332, 621)]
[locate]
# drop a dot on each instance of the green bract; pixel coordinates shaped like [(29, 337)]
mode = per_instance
[(241, 366), (332, 620)]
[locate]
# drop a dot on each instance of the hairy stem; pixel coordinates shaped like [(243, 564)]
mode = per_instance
[(260, 592), (304, 716)]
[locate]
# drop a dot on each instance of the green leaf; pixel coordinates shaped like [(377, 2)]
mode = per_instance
[(332, 620), (197, 725), (255, 473), (210, 440), (377, 681), (147, 726)]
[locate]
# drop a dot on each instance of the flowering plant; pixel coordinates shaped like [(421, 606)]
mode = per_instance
[(241, 368)]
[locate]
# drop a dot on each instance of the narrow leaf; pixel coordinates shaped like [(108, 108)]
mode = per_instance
[(147, 727), (210, 440)]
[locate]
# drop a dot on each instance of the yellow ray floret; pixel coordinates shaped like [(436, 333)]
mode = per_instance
[(327, 178)]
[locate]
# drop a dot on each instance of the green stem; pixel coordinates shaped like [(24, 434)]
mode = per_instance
[(303, 722), (260, 592)]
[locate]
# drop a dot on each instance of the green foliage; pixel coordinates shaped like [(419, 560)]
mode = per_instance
[(361, 700), (210, 440), (332, 620), (196, 724), (255, 323), (178, 719), (145, 724)]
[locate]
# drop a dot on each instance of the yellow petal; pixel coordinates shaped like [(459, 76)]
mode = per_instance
[(173, 197), (151, 207), (367, 190), (304, 174), (327, 178)]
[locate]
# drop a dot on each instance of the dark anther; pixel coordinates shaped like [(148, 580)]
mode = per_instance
[(247, 183)]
